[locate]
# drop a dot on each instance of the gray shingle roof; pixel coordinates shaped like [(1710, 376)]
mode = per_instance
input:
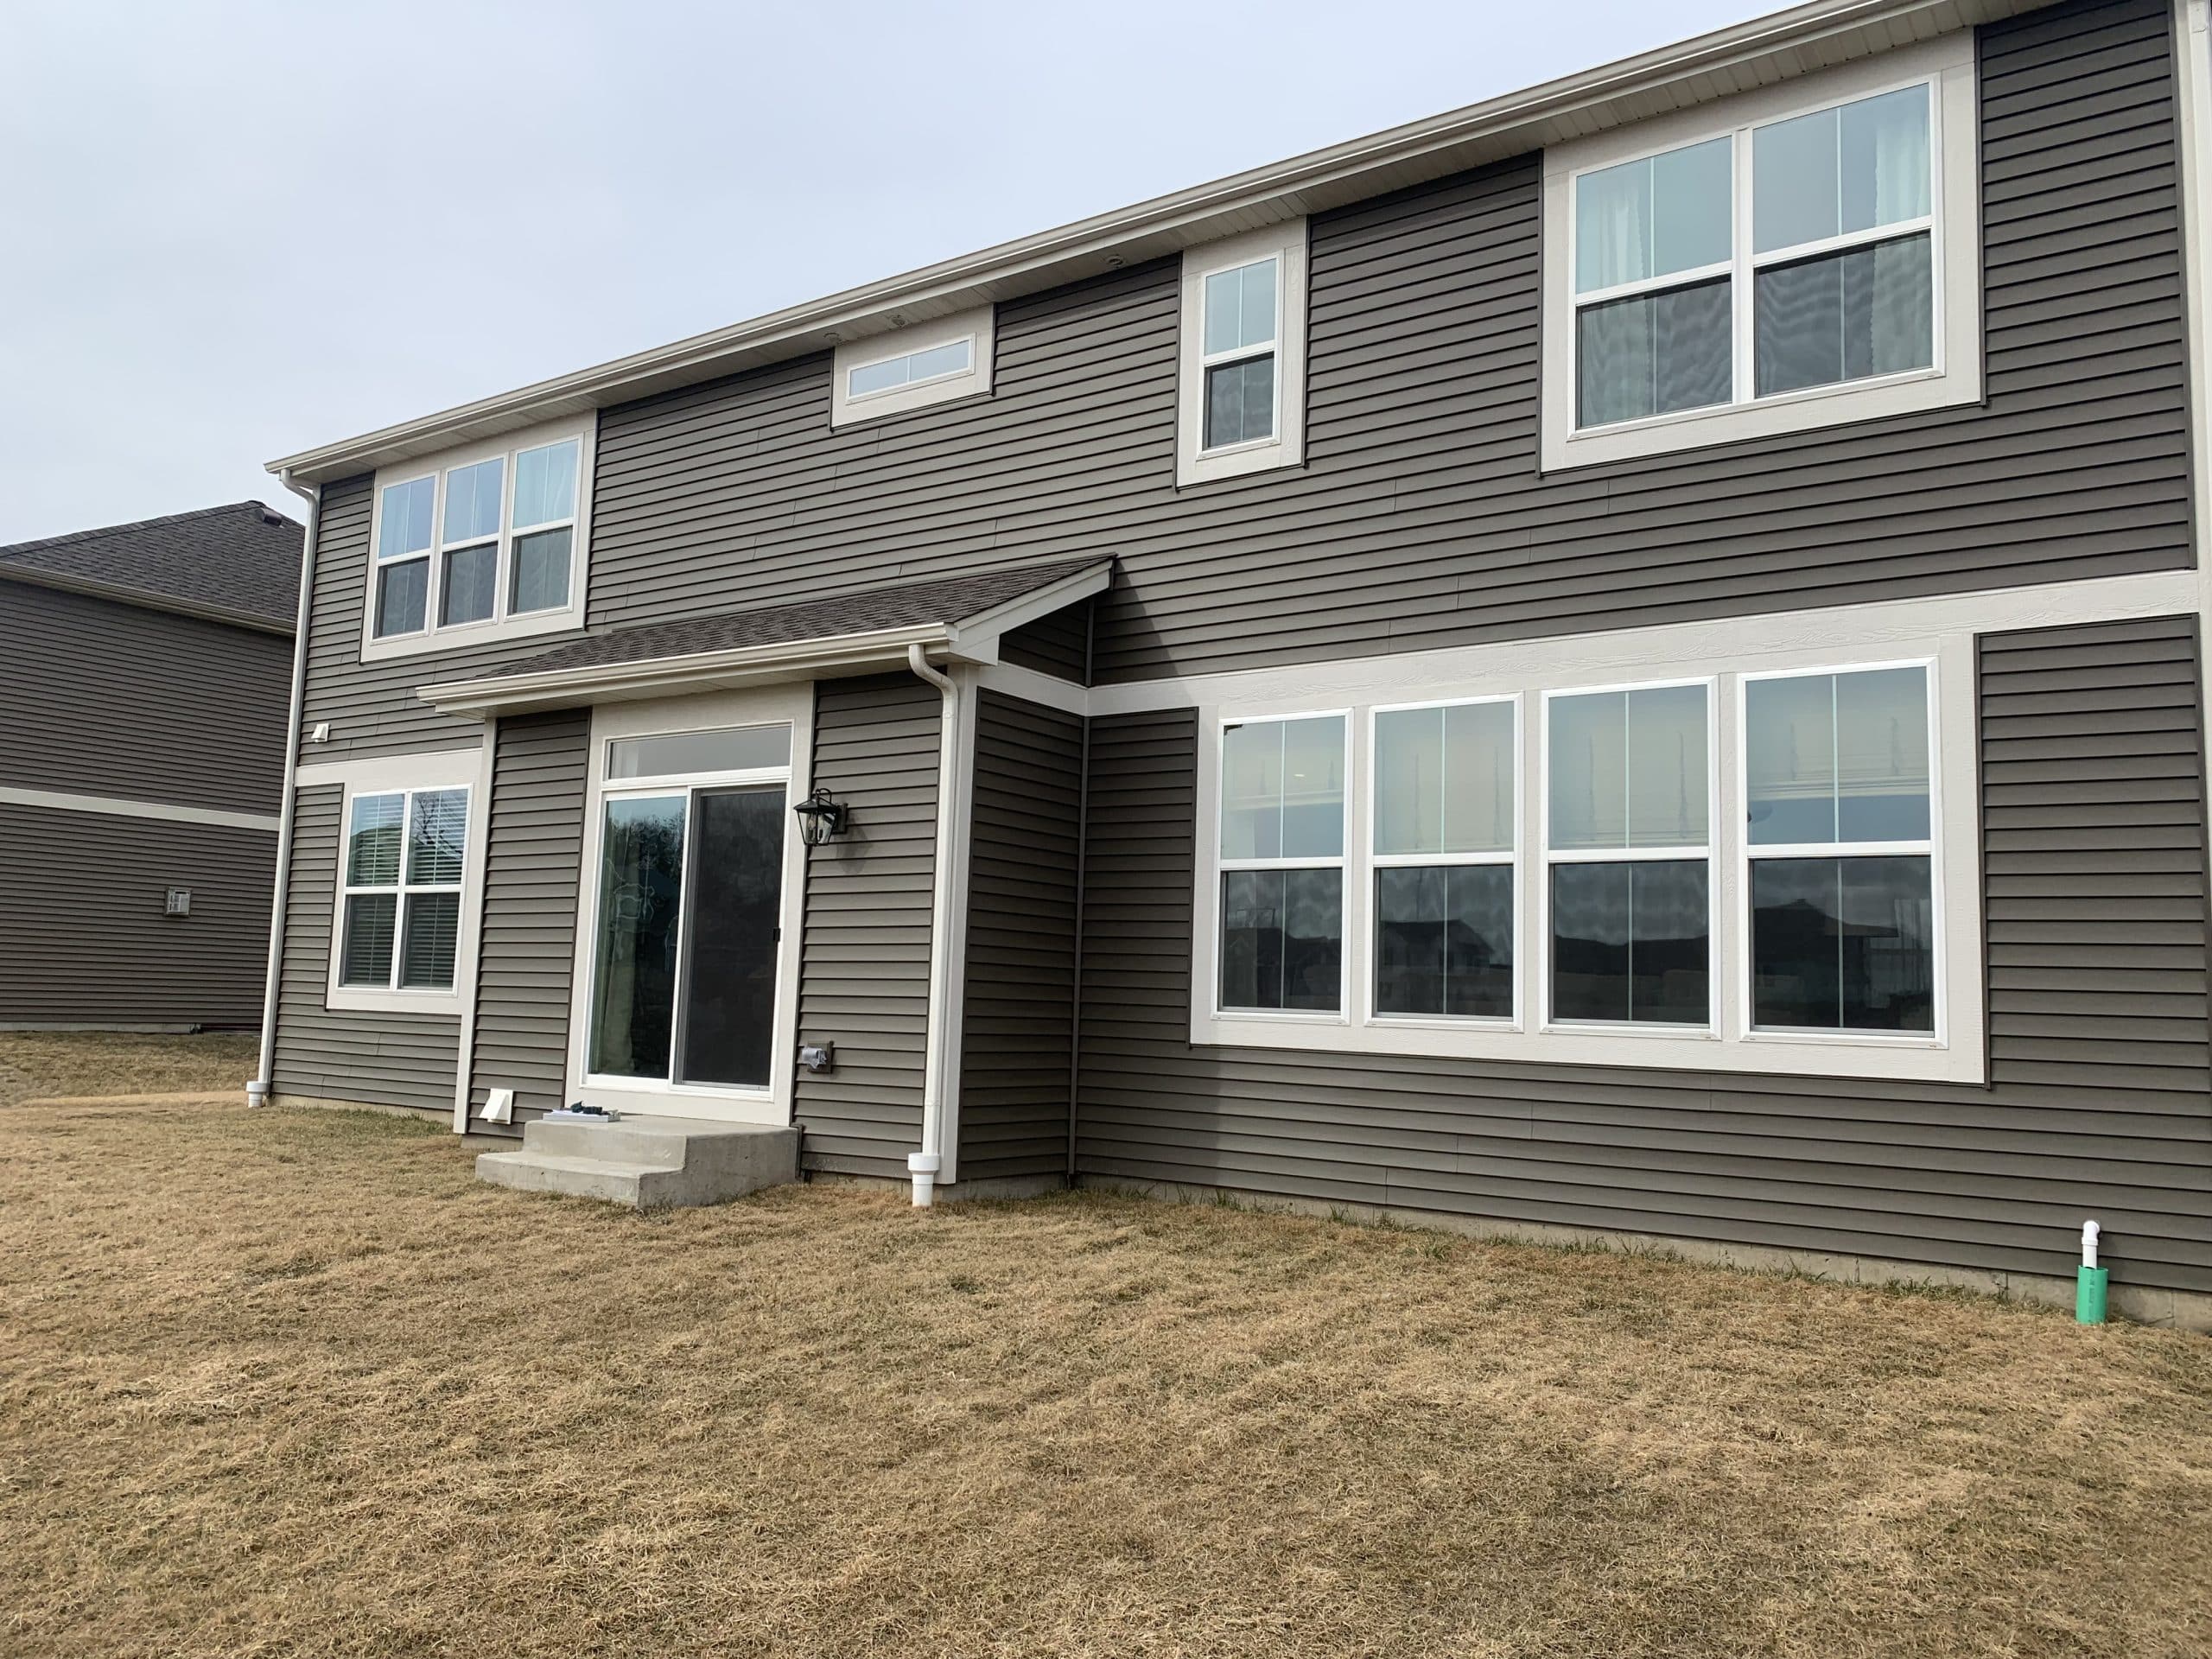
[(242, 558), (913, 606)]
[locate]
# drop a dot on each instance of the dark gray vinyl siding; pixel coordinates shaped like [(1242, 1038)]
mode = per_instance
[(532, 863), (864, 968), (1018, 1027), (83, 936), (100, 698), (389, 1059), (2093, 840), (1058, 645), (1421, 519), (372, 706)]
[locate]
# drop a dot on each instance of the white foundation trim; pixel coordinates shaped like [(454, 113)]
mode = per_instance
[(119, 807)]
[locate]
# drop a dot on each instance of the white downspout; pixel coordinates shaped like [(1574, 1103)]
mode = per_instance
[(257, 1092), (925, 1165)]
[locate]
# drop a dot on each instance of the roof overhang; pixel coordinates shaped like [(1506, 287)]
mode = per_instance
[(972, 639), (1777, 47), (30, 576)]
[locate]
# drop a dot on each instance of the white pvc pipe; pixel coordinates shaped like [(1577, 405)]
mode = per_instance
[(2088, 1243), (257, 1092), (925, 1165)]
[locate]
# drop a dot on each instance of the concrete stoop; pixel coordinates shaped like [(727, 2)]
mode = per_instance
[(648, 1163)]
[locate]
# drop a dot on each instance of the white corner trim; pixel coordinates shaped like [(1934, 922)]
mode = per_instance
[(1956, 376), (2193, 53), (1287, 244), (978, 328), (499, 625), (120, 806)]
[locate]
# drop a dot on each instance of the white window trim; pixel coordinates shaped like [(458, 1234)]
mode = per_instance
[(434, 636), (1717, 653), (1947, 67), (1376, 860), (1541, 941), (1929, 849), (463, 769), (1341, 863), (1194, 464), (792, 705), (978, 326)]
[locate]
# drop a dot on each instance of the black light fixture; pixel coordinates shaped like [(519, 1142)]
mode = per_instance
[(820, 818)]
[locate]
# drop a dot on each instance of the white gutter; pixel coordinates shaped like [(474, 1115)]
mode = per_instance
[(936, 1130), (257, 1092)]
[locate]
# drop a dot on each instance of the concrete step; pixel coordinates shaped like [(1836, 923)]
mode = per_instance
[(648, 1163)]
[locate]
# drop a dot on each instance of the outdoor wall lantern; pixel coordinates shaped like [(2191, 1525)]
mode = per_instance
[(820, 818)]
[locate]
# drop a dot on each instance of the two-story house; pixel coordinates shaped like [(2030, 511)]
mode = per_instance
[(1624, 661), (143, 676)]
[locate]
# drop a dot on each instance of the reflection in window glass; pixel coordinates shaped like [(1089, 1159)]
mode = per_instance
[(640, 895), (437, 831), (1843, 944), (1654, 353), (1241, 401), (1837, 757), (1631, 943), (1629, 768), (1444, 780), (1847, 315), (1838, 171), (729, 993), (1282, 939), (473, 500), (1282, 789), (1444, 940)]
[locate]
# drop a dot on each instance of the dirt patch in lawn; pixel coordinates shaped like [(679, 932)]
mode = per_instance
[(41, 1063), (291, 1382)]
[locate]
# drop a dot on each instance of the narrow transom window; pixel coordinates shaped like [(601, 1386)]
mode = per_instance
[(405, 854), (1629, 855), (1444, 815), (913, 369), (1282, 864), (1839, 839), (1241, 313)]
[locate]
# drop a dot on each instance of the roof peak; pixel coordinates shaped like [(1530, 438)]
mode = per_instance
[(269, 514)]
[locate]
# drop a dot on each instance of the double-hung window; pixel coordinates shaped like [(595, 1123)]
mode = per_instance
[(1243, 354), (1445, 802), (404, 856), (1282, 864), (1628, 846), (1804, 262), (485, 542), (1839, 839)]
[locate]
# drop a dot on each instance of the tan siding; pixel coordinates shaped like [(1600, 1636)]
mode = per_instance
[(388, 1059), (864, 970), (532, 863), (2100, 1101), (1018, 1021)]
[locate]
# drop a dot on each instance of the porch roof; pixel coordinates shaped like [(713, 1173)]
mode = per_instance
[(961, 618)]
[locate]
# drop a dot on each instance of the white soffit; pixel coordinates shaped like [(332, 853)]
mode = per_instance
[(1779, 46)]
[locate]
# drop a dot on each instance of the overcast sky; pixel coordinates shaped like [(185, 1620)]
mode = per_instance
[(231, 231)]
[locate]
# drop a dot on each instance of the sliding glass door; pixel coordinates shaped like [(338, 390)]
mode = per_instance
[(690, 900)]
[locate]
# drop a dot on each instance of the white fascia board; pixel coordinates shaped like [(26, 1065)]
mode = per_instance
[(661, 677), (1800, 41)]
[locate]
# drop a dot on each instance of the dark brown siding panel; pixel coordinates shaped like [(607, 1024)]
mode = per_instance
[(107, 953), (1021, 941), (98, 698), (532, 862), (387, 1059), (2101, 1102), (864, 971), (1420, 518), (1058, 645)]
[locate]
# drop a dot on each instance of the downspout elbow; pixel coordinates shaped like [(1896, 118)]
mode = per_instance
[(921, 665)]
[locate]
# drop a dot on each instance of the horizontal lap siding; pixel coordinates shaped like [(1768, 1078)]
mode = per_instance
[(1058, 645), (533, 861), (1421, 519), (98, 698), (388, 1059), (83, 936), (864, 965), (1017, 1023), (372, 706), (2094, 844)]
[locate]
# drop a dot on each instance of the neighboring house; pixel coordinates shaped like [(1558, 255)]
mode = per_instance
[(1624, 661), (145, 670)]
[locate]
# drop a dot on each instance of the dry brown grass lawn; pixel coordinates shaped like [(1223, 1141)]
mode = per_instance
[(291, 1382), (40, 1063)]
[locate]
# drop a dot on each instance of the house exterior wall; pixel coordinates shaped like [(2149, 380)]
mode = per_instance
[(2093, 833), (149, 711)]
